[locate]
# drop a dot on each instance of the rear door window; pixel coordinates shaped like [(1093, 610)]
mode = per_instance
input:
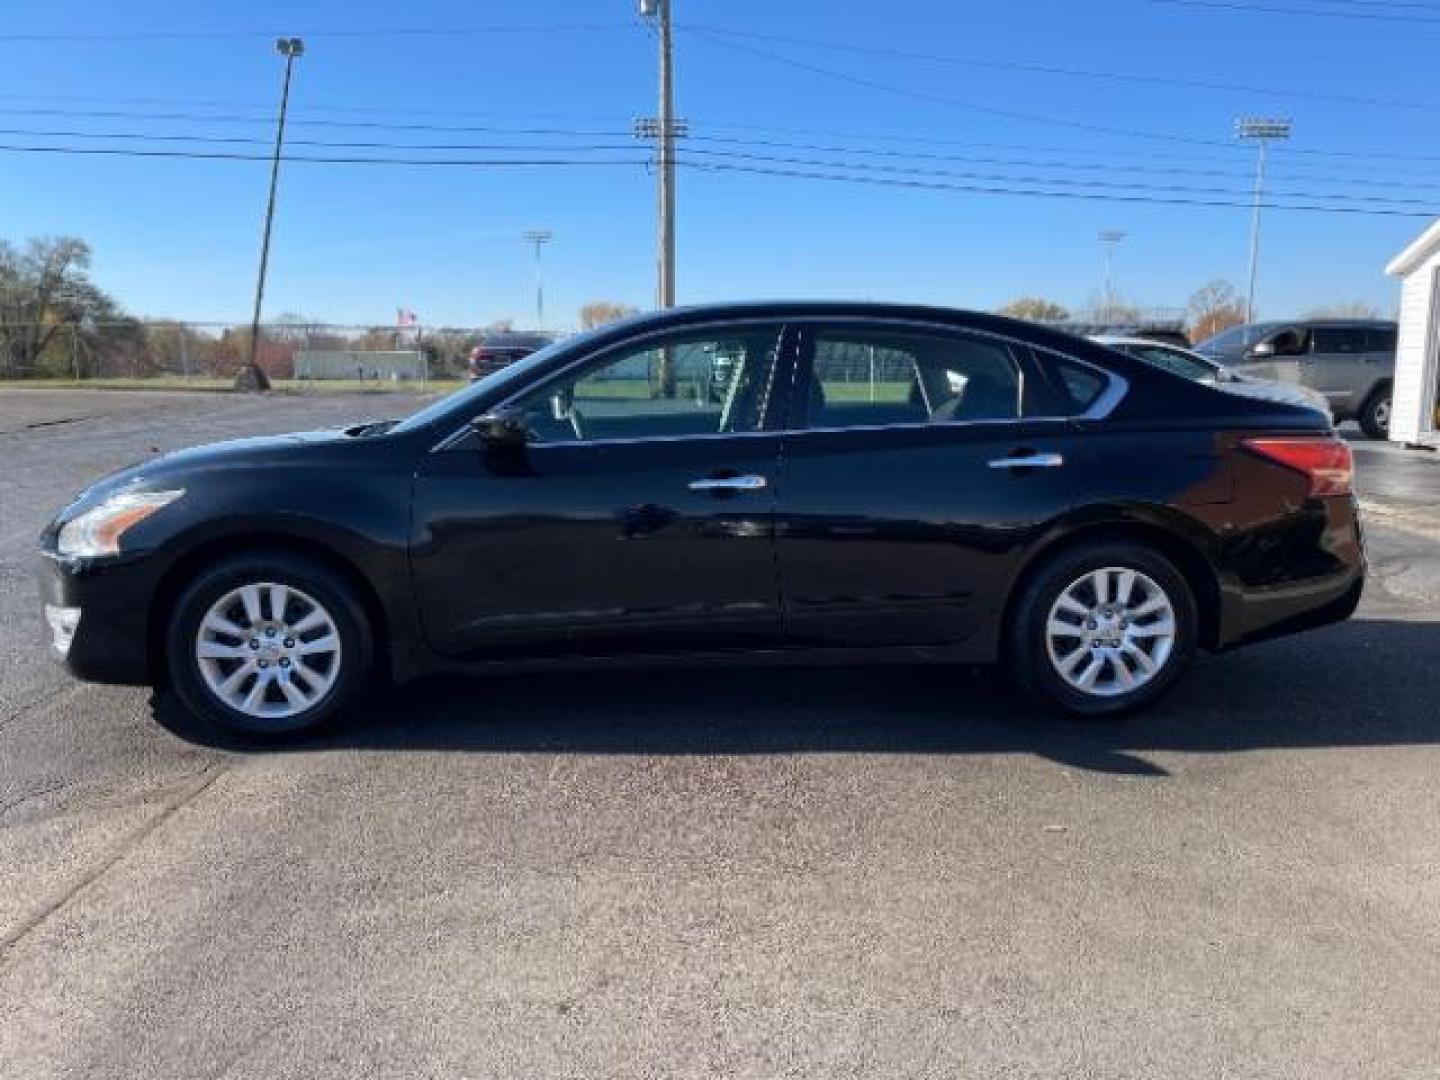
[(868, 378), (1325, 340)]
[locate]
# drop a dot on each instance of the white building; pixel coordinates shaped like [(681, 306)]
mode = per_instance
[(1417, 363)]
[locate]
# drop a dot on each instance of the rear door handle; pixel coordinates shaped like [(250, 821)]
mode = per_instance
[(1029, 461), (729, 483)]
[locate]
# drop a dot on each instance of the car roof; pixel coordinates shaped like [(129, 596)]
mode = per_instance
[(1341, 321), (961, 318), (1335, 320)]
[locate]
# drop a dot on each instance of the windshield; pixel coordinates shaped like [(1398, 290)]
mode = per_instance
[(512, 373), (1237, 337)]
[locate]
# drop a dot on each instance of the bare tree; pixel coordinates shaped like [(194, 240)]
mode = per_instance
[(1112, 310), (1212, 308), (44, 289), (1034, 309), (599, 312)]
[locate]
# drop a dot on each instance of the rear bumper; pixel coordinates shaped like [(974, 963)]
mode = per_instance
[(1310, 573), (95, 618)]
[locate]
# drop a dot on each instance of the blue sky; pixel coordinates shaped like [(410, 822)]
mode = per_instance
[(353, 242)]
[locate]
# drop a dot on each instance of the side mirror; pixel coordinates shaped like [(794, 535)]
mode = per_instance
[(501, 428), (1261, 351)]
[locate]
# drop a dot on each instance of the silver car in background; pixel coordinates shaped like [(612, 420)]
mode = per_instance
[(1350, 361), (1199, 368)]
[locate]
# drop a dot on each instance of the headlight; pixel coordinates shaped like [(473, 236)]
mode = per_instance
[(98, 530)]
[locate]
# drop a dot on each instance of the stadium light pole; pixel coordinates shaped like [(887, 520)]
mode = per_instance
[(1108, 239), (1260, 130), (252, 376), (539, 238)]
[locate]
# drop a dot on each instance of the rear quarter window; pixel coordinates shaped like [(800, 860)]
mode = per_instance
[(1078, 386), (1381, 339)]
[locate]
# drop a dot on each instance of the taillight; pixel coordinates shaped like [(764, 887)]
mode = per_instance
[(1326, 460)]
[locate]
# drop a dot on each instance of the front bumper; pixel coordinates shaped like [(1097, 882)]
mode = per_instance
[(96, 617)]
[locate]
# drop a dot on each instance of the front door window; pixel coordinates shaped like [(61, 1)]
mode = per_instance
[(685, 386)]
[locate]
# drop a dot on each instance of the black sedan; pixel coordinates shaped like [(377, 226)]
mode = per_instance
[(871, 482)]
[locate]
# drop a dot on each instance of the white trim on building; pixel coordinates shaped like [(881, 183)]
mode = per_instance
[(1417, 360)]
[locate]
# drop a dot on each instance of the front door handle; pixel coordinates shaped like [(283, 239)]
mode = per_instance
[(729, 483), (1029, 461)]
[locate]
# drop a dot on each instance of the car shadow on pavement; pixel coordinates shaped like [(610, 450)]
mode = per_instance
[(1363, 683)]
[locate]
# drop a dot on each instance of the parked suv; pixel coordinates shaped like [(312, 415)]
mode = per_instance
[(1350, 361)]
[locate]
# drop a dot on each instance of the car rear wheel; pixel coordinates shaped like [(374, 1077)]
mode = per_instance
[(268, 644), (1102, 629), (1375, 416)]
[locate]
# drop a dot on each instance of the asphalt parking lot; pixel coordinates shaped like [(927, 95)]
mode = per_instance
[(882, 872)]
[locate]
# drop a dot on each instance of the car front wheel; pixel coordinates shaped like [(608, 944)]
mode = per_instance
[(1103, 628), (268, 644)]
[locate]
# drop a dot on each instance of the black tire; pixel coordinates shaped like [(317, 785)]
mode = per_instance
[(314, 581), (1375, 414), (1028, 654)]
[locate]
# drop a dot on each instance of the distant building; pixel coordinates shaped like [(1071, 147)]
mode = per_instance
[(1414, 419), (360, 364)]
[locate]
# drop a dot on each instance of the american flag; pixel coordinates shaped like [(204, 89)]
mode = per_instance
[(405, 317)]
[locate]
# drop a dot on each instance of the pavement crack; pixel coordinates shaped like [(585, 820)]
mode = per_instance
[(29, 796), (192, 791), (37, 425), (40, 702)]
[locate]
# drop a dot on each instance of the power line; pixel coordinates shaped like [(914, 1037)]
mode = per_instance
[(243, 140), (629, 147), (224, 155), (878, 181), (1107, 166), (1080, 73), (1432, 203), (943, 99), (1278, 9), (191, 117), (1013, 114), (933, 180), (376, 32), (230, 118), (315, 107)]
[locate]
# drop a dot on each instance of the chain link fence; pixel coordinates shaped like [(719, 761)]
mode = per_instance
[(165, 351)]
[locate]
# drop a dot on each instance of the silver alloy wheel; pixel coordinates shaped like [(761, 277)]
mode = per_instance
[(1110, 631), (268, 650), (1382, 414)]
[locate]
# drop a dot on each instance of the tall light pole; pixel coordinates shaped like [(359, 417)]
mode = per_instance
[(1259, 130), (539, 238), (253, 377), (1108, 239)]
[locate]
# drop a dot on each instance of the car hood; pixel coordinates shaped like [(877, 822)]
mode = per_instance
[(233, 453)]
